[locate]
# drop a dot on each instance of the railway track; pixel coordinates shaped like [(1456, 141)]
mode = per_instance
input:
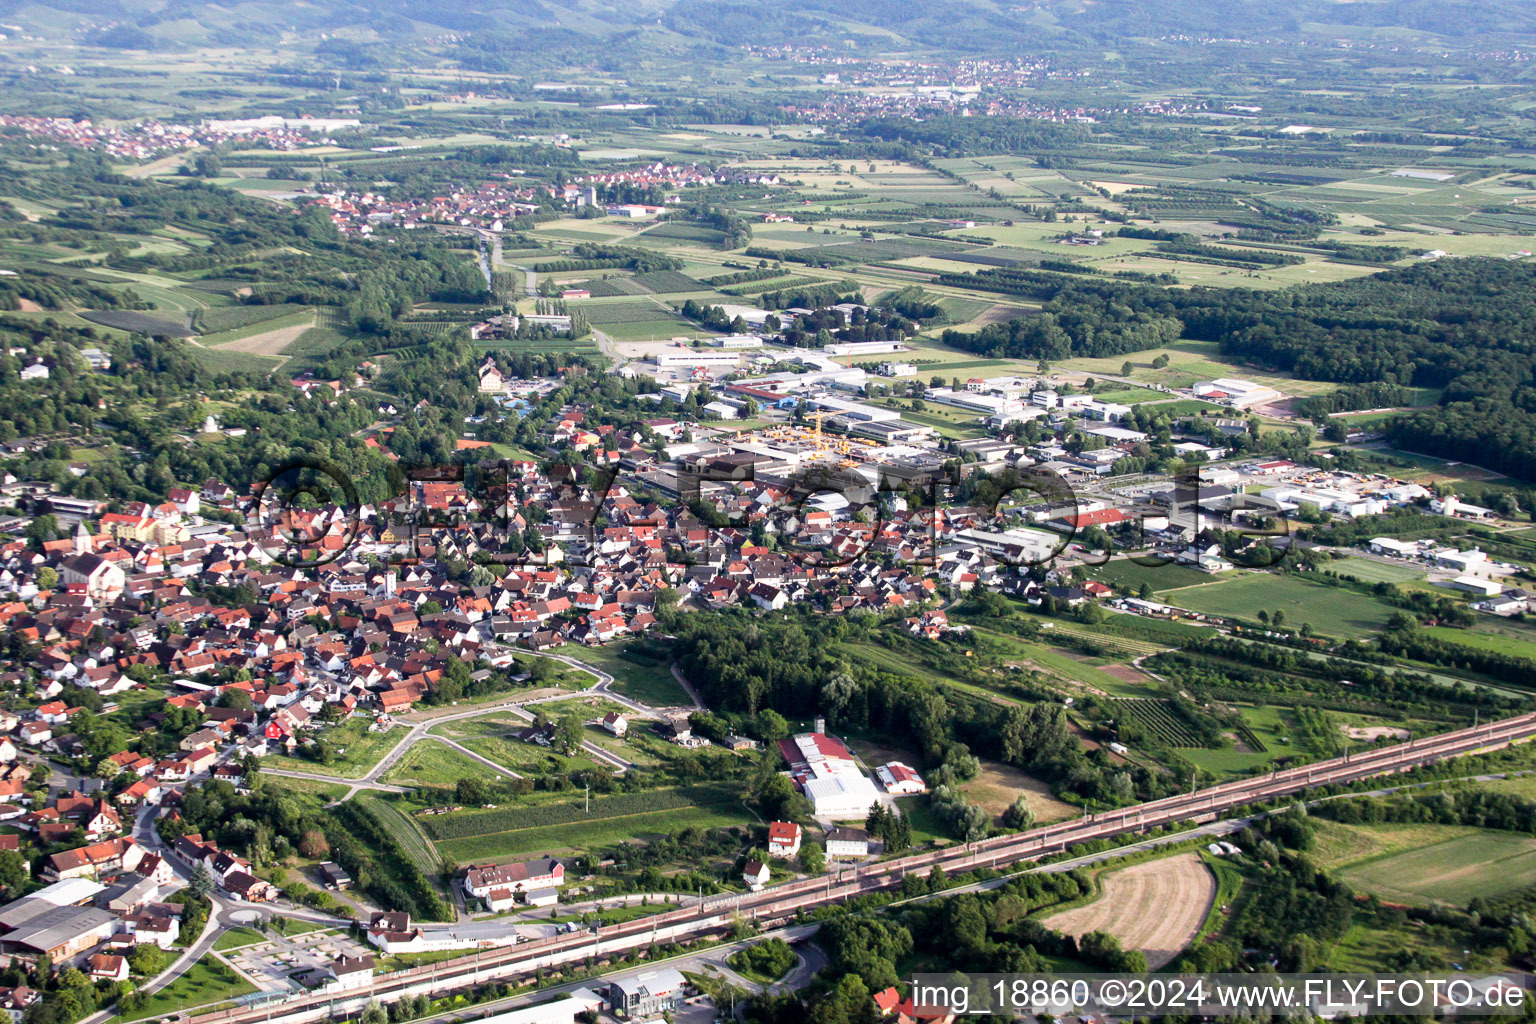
[(781, 902)]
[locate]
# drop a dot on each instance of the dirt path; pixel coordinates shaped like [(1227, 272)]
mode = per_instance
[(1156, 907)]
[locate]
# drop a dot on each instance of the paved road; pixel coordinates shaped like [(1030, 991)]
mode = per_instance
[(353, 785), (420, 730)]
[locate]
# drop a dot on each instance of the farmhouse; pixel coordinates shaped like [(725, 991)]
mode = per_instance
[(519, 877)]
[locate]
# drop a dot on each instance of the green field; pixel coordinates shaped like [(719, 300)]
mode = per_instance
[(358, 750), (1482, 641), (1374, 572), (635, 675), (237, 937), (434, 764), (1330, 610), (1122, 572), (1425, 864), (404, 830), (496, 745), (207, 981), (589, 835)]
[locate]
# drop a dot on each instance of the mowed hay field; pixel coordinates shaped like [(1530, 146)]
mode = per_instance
[(1425, 864), (999, 785), (270, 340), (1156, 907)]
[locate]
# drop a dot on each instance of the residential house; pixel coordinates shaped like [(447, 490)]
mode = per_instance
[(784, 839)]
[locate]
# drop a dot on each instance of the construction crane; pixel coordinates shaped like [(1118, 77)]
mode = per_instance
[(819, 441)]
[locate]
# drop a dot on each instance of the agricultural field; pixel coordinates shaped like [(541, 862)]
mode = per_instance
[(1191, 361), (140, 323), (1372, 571), (1123, 572), (1427, 864), (549, 827), (1330, 610), (405, 831), (1156, 907), (1158, 718), (1065, 665), (636, 320), (1485, 641)]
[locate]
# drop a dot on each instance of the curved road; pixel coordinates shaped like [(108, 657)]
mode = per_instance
[(420, 730)]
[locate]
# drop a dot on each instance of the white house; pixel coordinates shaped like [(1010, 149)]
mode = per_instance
[(784, 839), (847, 842), (755, 875)]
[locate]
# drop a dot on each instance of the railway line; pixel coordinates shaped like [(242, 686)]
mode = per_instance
[(779, 903)]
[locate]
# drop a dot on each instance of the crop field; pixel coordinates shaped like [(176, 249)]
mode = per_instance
[(612, 287), (1330, 610), (1428, 864), (772, 285), (878, 251), (464, 824), (1191, 361), (999, 785), (509, 832), (683, 232), (266, 338), (139, 323), (1156, 907), (404, 830), (1123, 646), (215, 319), (1157, 718), (665, 281), (635, 321), (228, 361)]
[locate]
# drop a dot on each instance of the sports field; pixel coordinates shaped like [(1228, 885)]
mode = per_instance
[(1330, 610)]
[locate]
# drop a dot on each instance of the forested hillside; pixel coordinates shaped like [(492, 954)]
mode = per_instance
[(961, 24)]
